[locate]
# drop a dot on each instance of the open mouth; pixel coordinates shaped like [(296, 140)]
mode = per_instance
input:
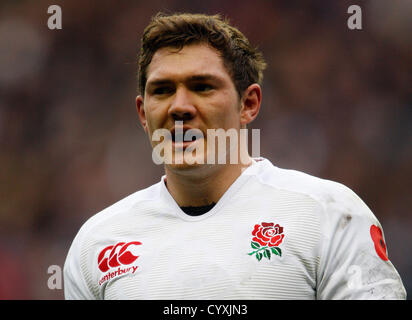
[(179, 136)]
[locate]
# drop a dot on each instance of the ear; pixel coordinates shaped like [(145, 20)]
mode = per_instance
[(250, 104), (141, 112)]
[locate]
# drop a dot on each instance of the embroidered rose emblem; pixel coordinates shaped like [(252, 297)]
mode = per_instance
[(266, 239)]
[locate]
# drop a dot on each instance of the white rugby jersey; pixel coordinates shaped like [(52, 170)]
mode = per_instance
[(274, 234)]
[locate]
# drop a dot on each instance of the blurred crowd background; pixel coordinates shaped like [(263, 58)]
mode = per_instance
[(337, 103)]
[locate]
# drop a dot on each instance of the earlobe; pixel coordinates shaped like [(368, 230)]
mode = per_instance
[(251, 101), (141, 112)]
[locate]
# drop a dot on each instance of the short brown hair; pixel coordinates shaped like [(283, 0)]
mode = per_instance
[(244, 63)]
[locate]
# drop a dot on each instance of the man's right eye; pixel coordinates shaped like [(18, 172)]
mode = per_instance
[(162, 90)]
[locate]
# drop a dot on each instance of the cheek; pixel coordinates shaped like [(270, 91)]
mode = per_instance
[(152, 124), (156, 116), (224, 113)]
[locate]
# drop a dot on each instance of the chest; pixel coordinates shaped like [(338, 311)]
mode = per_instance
[(237, 254)]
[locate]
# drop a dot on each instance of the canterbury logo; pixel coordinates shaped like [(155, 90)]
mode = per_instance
[(116, 255)]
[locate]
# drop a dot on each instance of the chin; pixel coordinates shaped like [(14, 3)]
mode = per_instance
[(182, 161), (196, 165), (187, 169)]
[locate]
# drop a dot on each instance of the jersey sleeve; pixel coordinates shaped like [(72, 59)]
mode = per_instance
[(75, 287), (354, 262)]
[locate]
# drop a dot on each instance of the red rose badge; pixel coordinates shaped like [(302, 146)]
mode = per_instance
[(266, 239), (377, 238)]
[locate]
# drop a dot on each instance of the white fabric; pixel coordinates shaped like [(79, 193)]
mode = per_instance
[(327, 251)]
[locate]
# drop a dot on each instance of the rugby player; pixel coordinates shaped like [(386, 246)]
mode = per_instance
[(223, 229)]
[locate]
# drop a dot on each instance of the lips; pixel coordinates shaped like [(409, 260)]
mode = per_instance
[(179, 137)]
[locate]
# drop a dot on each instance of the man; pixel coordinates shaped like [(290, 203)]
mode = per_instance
[(214, 227)]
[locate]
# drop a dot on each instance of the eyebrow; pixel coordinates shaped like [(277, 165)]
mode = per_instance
[(199, 77)]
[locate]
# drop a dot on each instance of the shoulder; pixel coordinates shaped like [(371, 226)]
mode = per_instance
[(119, 211), (103, 228), (335, 199)]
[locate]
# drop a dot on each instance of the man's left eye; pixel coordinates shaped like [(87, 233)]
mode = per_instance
[(203, 87)]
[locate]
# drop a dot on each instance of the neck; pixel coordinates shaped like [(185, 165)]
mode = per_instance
[(203, 185)]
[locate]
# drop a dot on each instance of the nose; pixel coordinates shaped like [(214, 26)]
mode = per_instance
[(182, 107)]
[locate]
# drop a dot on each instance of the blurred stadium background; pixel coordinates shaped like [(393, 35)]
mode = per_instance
[(337, 104)]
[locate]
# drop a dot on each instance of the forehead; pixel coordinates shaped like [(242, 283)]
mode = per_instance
[(191, 60)]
